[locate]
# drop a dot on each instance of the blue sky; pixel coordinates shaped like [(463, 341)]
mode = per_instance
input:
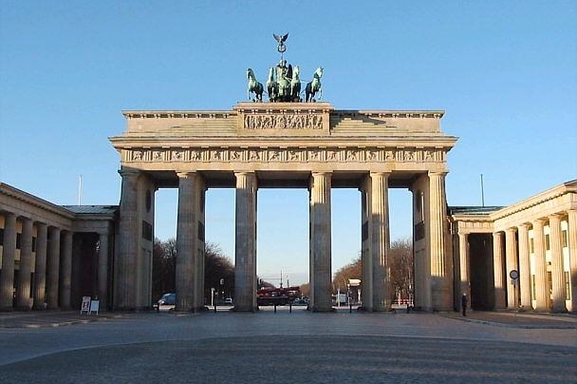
[(504, 72)]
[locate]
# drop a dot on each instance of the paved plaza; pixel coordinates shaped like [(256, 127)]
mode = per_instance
[(285, 347)]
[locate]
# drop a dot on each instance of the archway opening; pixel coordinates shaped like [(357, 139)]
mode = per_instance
[(283, 237)]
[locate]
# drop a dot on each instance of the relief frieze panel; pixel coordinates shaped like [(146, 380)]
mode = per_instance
[(331, 155), (286, 120)]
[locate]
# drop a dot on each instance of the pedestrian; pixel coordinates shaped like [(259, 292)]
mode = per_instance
[(464, 304)]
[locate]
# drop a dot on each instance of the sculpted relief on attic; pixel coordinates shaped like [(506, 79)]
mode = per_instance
[(302, 155)]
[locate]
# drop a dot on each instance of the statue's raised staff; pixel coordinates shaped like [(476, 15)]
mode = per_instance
[(254, 86), (314, 85), (280, 40)]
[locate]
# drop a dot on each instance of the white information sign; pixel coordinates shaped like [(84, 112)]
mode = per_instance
[(85, 306), (94, 307)]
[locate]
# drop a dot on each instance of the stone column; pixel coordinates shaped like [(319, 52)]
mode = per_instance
[(53, 272), (66, 271), (320, 242), (572, 233), (379, 246), (125, 266), (185, 235), (541, 287), (199, 245), (366, 260), (524, 267), (464, 264), (511, 264), (40, 266), (23, 290), (102, 274), (440, 264), (499, 279), (557, 279), (9, 251), (245, 243)]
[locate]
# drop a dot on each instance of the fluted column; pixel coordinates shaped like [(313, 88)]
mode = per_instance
[(541, 287), (366, 260), (572, 233), (66, 271), (245, 243), (102, 274), (23, 289), (499, 279), (524, 267), (379, 228), (7, 275), (320, 242), (511, 264), (40, 266), (53, 265), (185, 261), (125, 266), (557, 280), (440, 264), (464, 264)]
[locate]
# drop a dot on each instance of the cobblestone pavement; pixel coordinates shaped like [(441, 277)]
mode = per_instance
[(283, 347)]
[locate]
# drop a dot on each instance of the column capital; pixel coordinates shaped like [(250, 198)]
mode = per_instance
[(511, 230), (240, 173), (380, 173), (124, 172), (437, 173), (321, 173), (186, 174)]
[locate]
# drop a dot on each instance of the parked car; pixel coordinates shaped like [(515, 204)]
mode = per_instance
[(167, 302), (228, 301)]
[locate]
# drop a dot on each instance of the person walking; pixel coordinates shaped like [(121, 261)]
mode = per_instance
[(464, 304)]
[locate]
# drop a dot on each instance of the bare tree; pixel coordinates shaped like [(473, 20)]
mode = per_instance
[(400, 263), (349, 271), (218, 272), (163, 267), (217, 268), (401, 269)]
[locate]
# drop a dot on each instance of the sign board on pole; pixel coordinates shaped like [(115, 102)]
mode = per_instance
[(354, 282)]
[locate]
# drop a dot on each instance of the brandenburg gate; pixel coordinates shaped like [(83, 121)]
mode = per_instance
[(283, 144)]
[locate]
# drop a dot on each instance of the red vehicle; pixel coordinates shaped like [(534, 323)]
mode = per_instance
[(277, 296)]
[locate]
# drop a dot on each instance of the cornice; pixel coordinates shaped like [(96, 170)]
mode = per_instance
[(34, 201), (569, 187)]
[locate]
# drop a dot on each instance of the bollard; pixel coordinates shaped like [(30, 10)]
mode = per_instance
[(214, 307), (351, 308), (274, 307), (290, 307)]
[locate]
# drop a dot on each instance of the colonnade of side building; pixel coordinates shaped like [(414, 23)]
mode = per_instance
[(537, 238), (39, 243)]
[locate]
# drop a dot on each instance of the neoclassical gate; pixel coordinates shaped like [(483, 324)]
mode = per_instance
[(260, 145)]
